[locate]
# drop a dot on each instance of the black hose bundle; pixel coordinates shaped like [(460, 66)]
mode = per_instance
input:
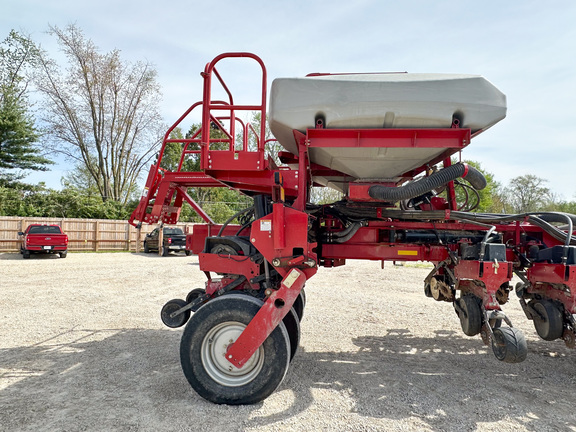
[(433, 181), (344, 235), (246, 211), (540, 219)]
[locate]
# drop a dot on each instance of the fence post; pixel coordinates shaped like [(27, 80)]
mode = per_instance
[(138, 237), (160, 238), (97, 236)]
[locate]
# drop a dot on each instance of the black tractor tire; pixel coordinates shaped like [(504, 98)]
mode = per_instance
[(550, 326), (193, 295), (470, 315), (509, 345), (169, 308), (292, 324), (146, 248), (206, 337), (300, 304)]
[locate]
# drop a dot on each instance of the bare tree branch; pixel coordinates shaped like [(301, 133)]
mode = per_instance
[(101, 112)]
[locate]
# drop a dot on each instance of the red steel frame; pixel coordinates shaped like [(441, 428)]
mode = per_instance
[(282, 236)]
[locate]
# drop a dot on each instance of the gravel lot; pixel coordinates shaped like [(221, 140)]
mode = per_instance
[(82, 347)]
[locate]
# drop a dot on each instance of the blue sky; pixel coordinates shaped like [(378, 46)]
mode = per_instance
[(526, 48)]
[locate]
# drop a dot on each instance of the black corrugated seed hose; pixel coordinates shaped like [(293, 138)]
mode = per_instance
[(433, 181)]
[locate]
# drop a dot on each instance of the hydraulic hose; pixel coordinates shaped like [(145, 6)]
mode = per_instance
[(344, 235), (346, 231), (557, 217), (433, 181), (481, 219), (349, 235), (231, 218)]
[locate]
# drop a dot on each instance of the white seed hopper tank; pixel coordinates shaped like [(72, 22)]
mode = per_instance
[(394, 100)]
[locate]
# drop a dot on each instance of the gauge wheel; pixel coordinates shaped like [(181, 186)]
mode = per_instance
[(470, 315), (171, 307), (549, 321), (300, 304), (193, 295), (509, 345), (292, 324), (205, 340)]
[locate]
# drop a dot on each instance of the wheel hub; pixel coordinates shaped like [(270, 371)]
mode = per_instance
[(214, 347), (440, 290)]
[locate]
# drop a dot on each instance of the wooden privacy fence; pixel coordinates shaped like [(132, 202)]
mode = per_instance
[(83, 234)]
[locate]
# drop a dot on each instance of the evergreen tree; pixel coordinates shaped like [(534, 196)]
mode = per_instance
[(18, 135)]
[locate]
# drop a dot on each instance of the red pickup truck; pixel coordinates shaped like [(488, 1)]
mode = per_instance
[(44, 239)]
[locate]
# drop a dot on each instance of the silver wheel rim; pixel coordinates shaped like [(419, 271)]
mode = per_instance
[(214, 360)]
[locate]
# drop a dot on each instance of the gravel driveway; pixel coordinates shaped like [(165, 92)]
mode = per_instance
[(82, 347)]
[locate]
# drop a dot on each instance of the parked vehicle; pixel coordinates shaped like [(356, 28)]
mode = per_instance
[(47, 239), (174, 241)]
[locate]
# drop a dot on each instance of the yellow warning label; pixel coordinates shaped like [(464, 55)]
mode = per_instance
[(408, 252)]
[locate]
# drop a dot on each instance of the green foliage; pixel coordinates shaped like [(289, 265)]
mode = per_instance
[(272, 147), (488, 199), (18, 57), (525, 193), (565, 206), (173, 151), (218, 203), (18, 134), (66, 203)]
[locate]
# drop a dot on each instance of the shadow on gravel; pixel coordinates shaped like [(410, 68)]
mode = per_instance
[(18, 256), (120, 379), (155, 255), (171, 255), (10, 256), (451, 382)]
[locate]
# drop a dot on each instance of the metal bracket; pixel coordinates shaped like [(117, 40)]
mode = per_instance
[(206, 297)]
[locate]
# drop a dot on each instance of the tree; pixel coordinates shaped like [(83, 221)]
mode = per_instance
[(173, 151), (272, 146), (488, 200), (69, 202), (101, 112), (18, 135), (324, 195), (565, 206), (527, 193)]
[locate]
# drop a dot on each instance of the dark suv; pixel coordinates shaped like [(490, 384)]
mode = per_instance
[(174, 241)]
